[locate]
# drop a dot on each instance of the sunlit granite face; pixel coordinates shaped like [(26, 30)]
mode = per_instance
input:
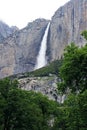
[(66, 26), (18, 52)]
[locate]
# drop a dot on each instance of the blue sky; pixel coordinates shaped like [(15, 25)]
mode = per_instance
[(20, 12)]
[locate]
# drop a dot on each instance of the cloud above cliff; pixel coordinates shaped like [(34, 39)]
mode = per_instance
[(20, 12)]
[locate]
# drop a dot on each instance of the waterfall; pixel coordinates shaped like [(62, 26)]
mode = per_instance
[(41, 58)]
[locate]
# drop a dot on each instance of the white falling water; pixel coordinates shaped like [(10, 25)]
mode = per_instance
[(41, 58)]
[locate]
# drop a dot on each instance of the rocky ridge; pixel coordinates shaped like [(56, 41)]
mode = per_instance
[(46, 85), (6, 31)]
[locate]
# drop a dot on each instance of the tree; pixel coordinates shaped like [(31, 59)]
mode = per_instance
[(84, 33), (6, 85), (82, 104), (73, 73), (23, 110), (72, 114), (74, 68)]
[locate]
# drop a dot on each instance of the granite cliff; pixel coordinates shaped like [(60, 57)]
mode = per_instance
[(46, 85), (6, 31), (18, 51), (19, 48), (66, 26)]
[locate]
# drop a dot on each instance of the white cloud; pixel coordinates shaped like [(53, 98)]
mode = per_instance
[(20, 12)]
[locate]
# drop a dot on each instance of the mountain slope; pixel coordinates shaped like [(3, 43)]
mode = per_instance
[(6, 31), (18, 52)]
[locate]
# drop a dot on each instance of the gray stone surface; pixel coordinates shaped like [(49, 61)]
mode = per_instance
[(18, 52), (6, 31), (66, 26), (19, 48), (46, 85)]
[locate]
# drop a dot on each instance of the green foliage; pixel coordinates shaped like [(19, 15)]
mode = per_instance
[(84, 33), (82, 102), (72, 115), (23, 110), (73, 73), (6, 85), (27, 110), (52, 68), (74, 68)]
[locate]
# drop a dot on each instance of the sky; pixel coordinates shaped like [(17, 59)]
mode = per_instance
[(20, 12)]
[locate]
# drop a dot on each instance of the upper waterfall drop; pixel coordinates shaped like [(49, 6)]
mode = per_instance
[(41, 58)]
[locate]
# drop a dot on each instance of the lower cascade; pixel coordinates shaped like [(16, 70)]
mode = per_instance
[(41, 58)]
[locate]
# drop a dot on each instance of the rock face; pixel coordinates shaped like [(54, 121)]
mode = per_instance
[(66, 26), (6, 31), (19, 48), (18, 52), (46, 85)]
